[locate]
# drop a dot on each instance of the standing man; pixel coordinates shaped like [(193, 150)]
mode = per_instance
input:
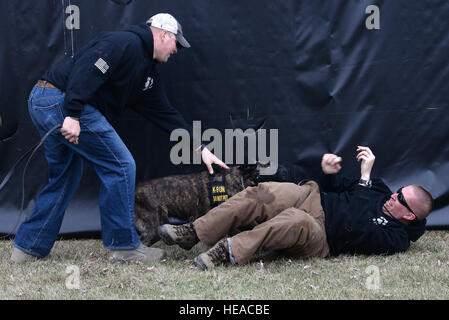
[(356, 216), (114, 71)]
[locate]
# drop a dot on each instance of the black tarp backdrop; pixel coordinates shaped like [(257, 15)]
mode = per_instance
[(329, 75)]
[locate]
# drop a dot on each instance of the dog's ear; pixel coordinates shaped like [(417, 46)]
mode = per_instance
[(261, 165)]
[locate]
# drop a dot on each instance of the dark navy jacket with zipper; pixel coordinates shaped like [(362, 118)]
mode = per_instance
[(355, 223), (115, 71)]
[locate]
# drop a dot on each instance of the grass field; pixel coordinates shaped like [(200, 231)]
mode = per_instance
[(80, 270)]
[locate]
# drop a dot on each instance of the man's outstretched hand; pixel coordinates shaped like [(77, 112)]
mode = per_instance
[(209, 158)]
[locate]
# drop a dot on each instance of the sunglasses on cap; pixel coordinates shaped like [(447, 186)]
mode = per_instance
[(401, 199)]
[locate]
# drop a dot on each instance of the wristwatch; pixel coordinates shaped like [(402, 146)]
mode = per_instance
[(365, 183)]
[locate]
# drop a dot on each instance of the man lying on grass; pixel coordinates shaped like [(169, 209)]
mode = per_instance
[(355, 216)]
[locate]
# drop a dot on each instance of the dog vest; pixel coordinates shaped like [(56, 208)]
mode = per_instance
[(217, 191)]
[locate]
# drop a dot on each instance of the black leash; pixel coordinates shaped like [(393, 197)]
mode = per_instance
[(32, 151)]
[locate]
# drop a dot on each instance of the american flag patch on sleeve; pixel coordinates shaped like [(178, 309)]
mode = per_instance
[(102, 65)]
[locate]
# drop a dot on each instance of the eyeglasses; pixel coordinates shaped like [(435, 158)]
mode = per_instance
[(401, 199)]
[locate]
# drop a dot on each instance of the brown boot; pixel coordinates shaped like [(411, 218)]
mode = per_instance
[(215, 256), (183, 235)]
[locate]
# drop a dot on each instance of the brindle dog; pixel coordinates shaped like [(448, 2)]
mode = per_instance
[(184, 198)]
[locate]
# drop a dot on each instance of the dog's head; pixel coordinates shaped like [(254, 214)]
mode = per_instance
[(248, 175), (252, 172), (281, 174)]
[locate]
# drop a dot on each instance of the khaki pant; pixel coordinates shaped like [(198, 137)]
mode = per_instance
[(290, 219)]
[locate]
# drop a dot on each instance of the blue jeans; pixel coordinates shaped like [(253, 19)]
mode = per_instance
[(101, 147)]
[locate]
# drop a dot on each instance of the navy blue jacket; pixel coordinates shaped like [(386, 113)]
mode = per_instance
[(355, 223), (115, 71)]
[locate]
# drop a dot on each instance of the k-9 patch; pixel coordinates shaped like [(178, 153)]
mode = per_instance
[(217, 193)]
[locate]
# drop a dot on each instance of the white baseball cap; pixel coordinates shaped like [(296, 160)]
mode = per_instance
[(167, 22)]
